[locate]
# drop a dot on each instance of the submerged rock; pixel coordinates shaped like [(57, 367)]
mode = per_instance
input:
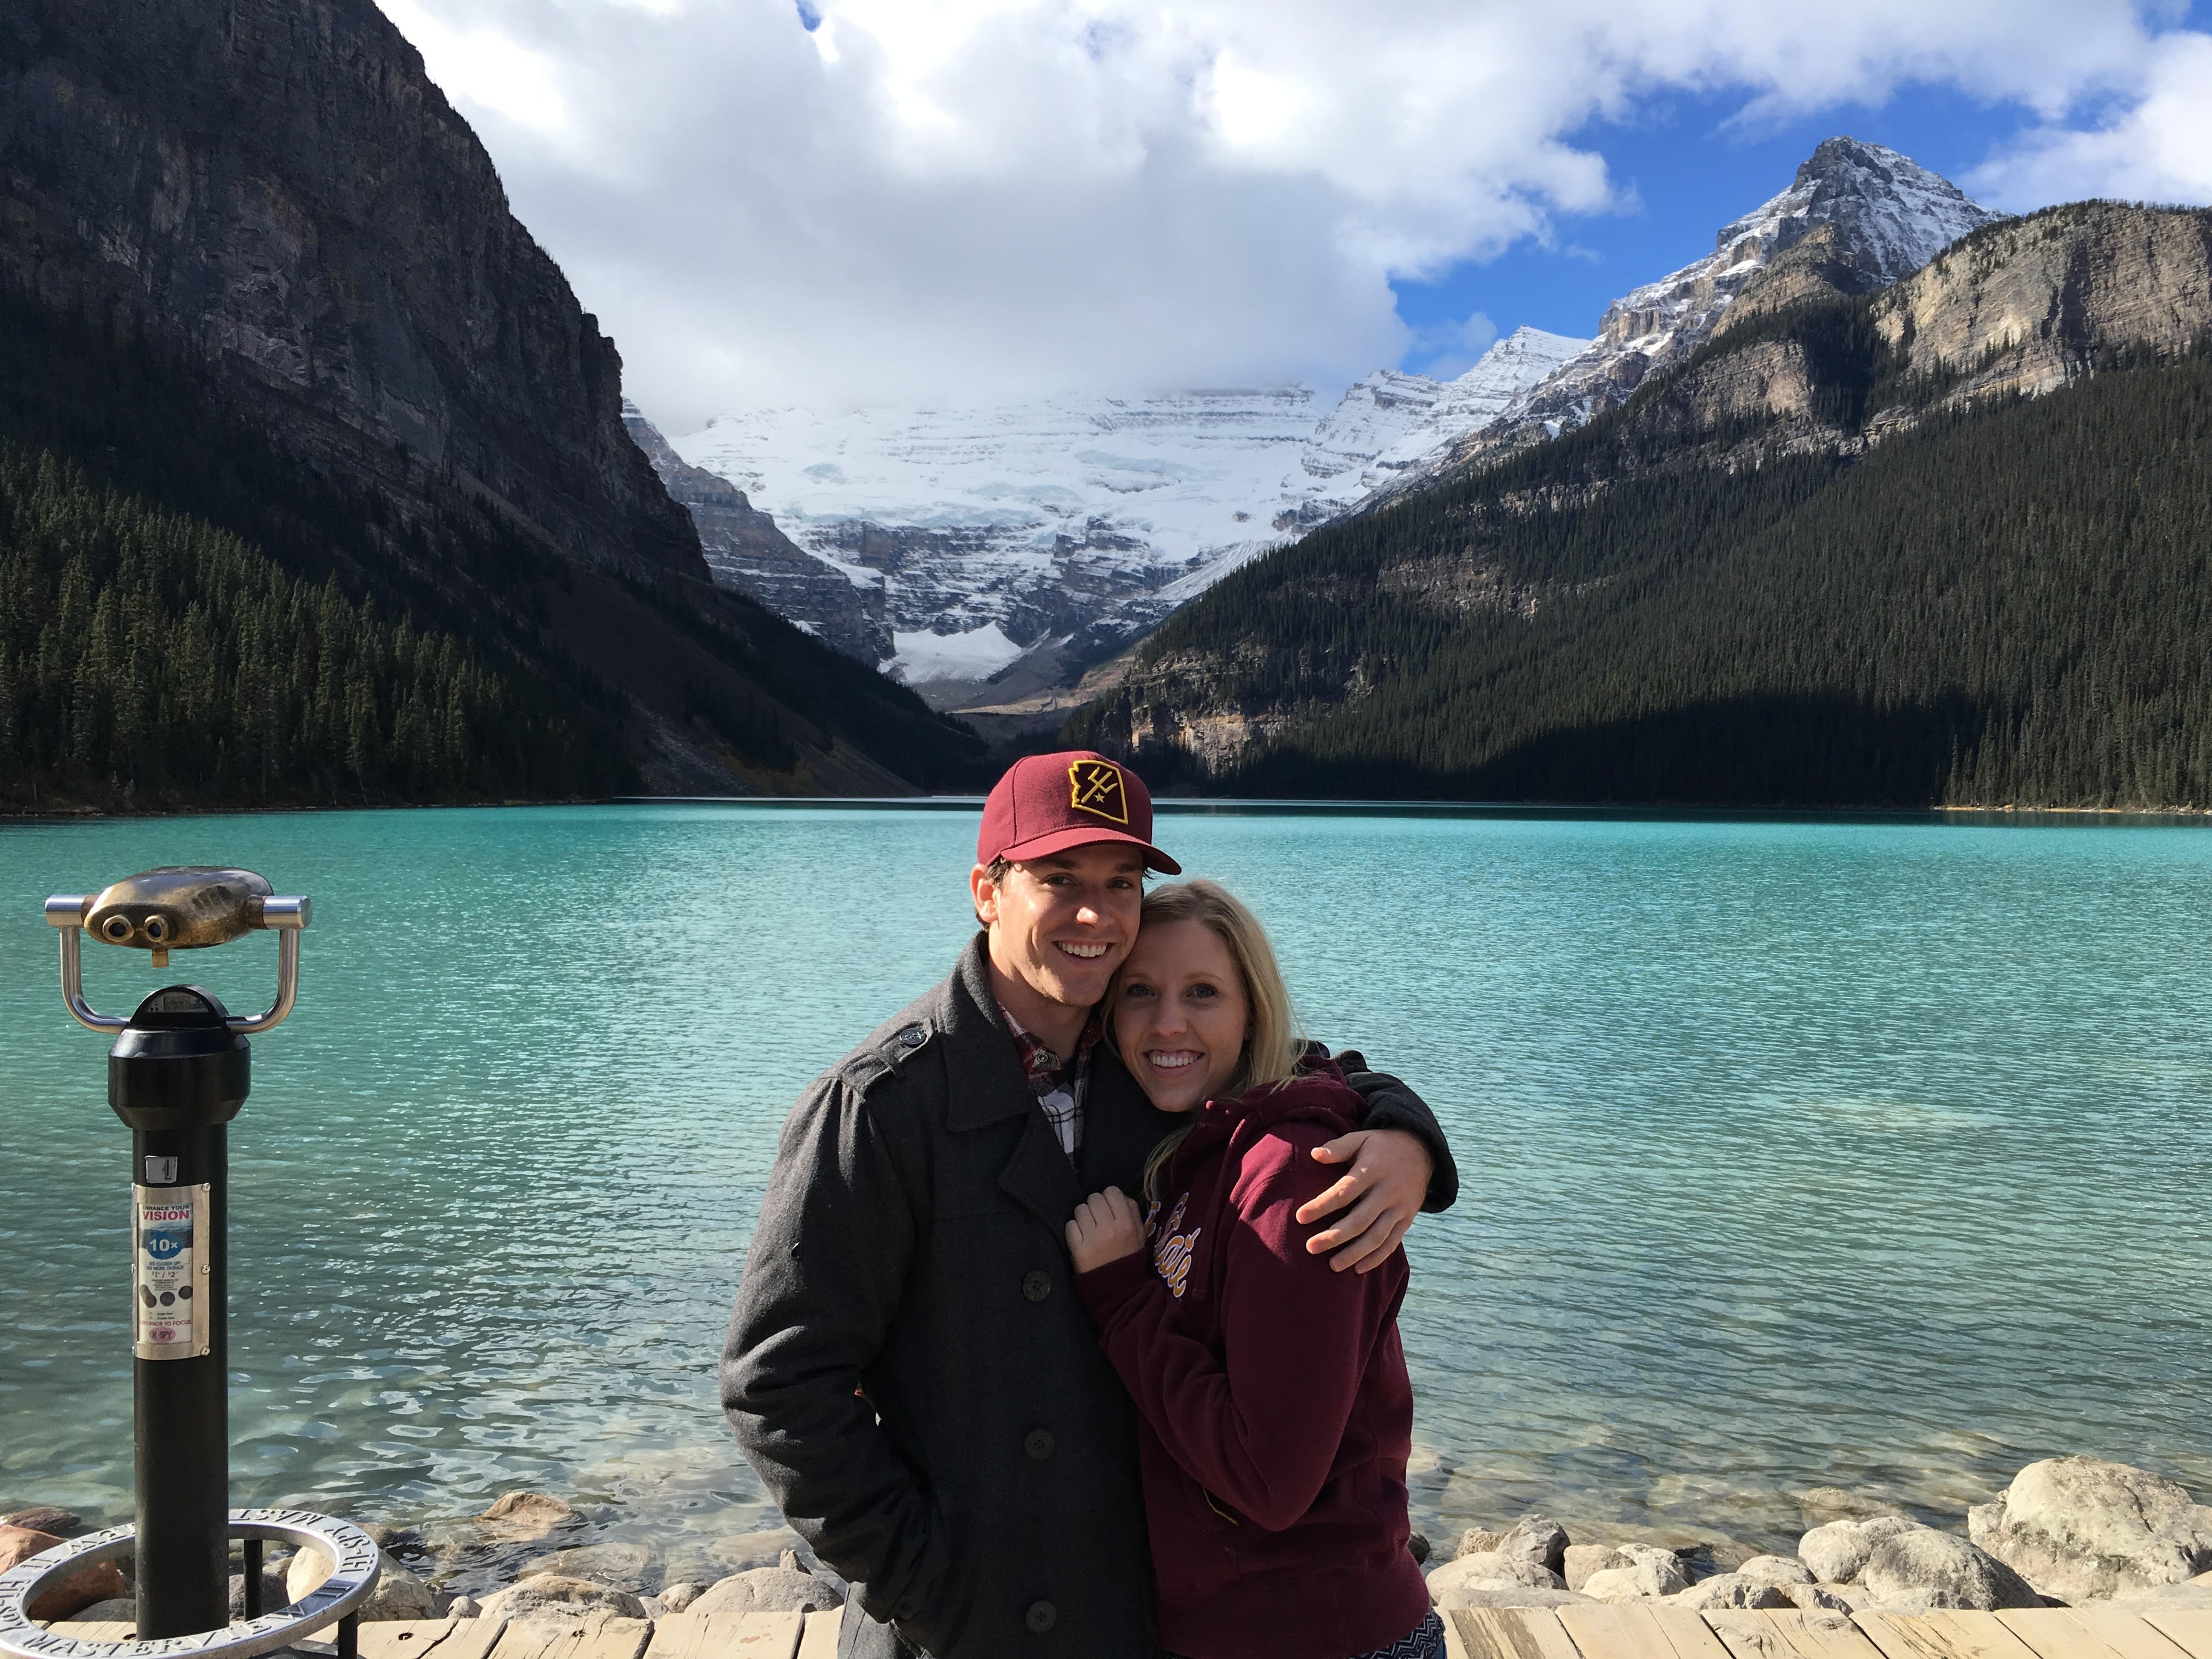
[(2080, 1529), (627, 1566), (1946, 1569), (526, 1517), (61, 1523), (1825, 1503)]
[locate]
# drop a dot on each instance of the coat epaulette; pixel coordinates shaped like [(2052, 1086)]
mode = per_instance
[(885, 1056)]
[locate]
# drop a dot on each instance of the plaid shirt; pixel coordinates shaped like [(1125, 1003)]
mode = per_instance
[(1059, 1082)]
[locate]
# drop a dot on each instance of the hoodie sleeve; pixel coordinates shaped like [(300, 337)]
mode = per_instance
[(1392, 1105), (1259, 1426)]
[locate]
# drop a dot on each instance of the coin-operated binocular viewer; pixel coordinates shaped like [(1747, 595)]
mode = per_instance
[(177, 1075)]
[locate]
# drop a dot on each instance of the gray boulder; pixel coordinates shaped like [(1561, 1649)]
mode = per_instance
[(1498, 1571), (673, 1598), (1581, 1561), (627, 1566), (1538, 1539), (272, 1593), (1837, 1553), (1451, 1593), (768, 1590), (61, 1523), (463, 1607), (1821, 1598), (2195, 1593), (2079, 1529), (1945, 1568), (568, 1598), (399, 1592), (1729, 1589), (1779, 1570), (1649, 1573), (1477, 1540)]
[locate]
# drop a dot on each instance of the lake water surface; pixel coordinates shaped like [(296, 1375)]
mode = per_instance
[(1802, 1153)]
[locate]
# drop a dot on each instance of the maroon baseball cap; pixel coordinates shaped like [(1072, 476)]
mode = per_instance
[(1049, 803)]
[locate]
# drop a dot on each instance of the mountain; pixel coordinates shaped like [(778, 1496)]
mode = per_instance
[(256, 271), (1878, 216), (1937, 543), (1011, 545)]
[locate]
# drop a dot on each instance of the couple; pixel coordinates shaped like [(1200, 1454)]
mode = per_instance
[(977, 1380)]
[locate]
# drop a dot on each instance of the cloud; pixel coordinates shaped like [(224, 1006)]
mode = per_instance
[(2158, 150), (847, 201), (1453, 349)]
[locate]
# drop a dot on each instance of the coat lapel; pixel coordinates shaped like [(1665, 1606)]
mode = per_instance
[(1039, 1176)]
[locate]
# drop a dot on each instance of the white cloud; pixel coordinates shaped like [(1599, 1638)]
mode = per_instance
[(1452, 349), (2159, 149), (973, 198)]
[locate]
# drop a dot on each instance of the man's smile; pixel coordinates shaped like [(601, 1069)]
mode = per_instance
[(1084, 952)]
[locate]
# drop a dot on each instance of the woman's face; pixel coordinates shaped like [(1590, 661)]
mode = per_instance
[(1181, 1016)]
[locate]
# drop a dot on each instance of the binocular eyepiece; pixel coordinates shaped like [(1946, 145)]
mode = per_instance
[(179, 907), (186, 908)]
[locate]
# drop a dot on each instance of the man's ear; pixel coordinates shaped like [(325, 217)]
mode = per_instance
[(985, 893)]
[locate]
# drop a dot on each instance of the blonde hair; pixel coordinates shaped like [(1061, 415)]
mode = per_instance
[(1273, 1040)]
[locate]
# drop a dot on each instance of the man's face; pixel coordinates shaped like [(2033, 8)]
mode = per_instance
[(1062, 923)]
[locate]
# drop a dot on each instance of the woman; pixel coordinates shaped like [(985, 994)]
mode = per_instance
[(1276, 1411)]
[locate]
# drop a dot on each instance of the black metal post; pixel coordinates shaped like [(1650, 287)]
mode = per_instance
[(177, 1075)]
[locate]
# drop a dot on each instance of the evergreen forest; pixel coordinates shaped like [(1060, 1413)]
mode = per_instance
[(2009, 604)]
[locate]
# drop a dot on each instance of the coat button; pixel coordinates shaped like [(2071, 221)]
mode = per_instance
[(1037, 1444), (1042, 1616), (1036, 1285)]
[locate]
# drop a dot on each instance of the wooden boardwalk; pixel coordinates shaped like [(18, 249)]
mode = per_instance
[(1575, 1632)]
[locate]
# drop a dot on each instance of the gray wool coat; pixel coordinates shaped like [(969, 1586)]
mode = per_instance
[(908, 1367)]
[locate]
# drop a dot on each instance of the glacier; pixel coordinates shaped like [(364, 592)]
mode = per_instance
[(1067, 525)]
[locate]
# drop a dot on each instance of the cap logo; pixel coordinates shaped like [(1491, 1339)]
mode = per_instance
[(1095, 786)]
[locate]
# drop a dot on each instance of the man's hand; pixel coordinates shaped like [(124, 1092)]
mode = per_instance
[(1107, 1227), (1389, 1176)]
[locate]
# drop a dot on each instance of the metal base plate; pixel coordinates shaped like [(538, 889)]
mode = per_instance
[(351, 1552)]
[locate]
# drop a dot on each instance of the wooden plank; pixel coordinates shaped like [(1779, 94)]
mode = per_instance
[(2127, 1634), (97, 1629), (1788, 1633), (727, 1636), (2190, 1632), (2053, 1634), (1507, 1633), (1631, 1631), (416, 1638), (820, 1641), (1943, 1635), (546, 1634)]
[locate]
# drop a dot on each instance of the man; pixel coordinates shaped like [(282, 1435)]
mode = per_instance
[(908, 1367)]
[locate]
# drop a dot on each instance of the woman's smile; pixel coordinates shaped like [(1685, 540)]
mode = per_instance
[(1180, 1015)]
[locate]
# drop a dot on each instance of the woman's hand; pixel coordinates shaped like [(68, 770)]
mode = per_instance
[(1106, 1228)]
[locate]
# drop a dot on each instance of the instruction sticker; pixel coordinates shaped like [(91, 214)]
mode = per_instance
[(169, 1288)]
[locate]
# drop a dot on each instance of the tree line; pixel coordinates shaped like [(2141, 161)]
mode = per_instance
[(2004, 605)]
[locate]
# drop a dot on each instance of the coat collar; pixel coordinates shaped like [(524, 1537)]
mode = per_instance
[(983, 1066)]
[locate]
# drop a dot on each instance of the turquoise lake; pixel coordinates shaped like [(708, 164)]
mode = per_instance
[(1870, 1153)]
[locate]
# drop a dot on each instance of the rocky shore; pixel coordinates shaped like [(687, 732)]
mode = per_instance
[(2068, 1530)]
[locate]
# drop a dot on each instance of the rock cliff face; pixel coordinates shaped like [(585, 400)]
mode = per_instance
[(746, 551), (276, 190), (2027, 305)]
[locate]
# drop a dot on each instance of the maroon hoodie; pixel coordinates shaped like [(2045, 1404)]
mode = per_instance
[(1276, 1414)]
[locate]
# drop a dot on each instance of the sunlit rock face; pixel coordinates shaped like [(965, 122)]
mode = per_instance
[(1045, 534)]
